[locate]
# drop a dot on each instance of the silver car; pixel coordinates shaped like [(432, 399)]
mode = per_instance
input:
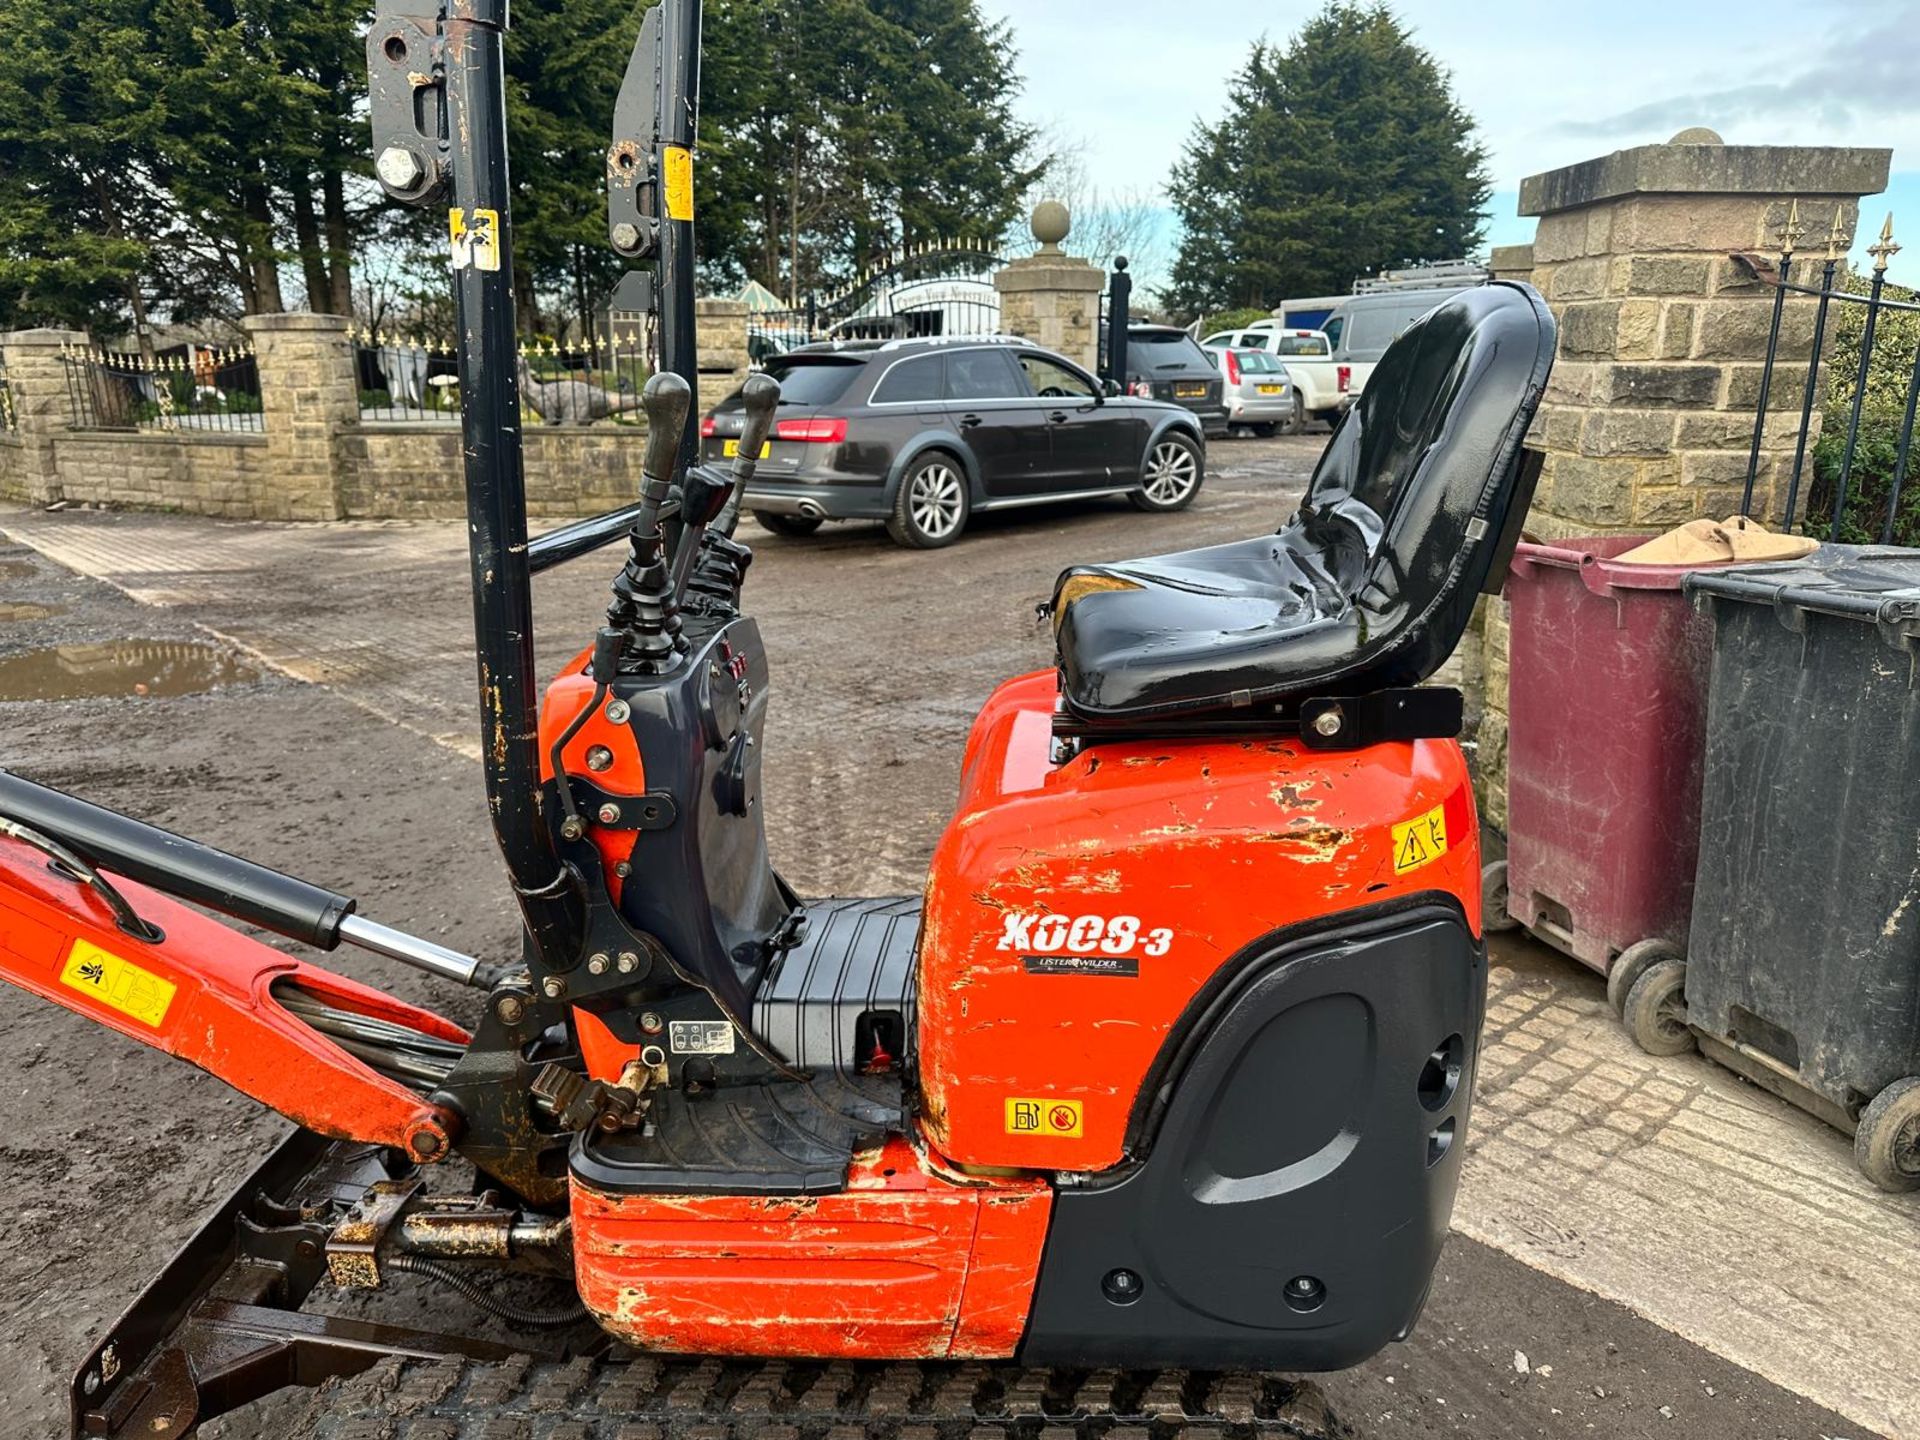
[(1257, 393)]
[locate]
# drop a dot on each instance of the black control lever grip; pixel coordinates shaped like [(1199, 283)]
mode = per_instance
[(760, 396), (643, 591), (666, 400)]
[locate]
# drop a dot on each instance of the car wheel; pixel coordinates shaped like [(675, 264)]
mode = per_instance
[(1171, 477), (932, 507), (795, 526), (1297, 421)]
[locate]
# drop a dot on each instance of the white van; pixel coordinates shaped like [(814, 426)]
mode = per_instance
[(1361, 327)]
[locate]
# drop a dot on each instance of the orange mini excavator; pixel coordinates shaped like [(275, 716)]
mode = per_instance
[(1166, 1072)]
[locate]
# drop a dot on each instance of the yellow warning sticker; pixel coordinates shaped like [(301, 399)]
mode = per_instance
[(676, 177), (1419, 841), (1045, 1117), (118, 983), (475, 238)]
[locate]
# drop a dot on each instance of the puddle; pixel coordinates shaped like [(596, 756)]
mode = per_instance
[(17, 569), (14, 612), (121, 667)]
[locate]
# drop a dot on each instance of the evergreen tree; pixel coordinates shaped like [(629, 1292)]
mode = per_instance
[(1342, 154)]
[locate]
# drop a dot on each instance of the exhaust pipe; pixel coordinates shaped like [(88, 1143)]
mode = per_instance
[(810, 510)]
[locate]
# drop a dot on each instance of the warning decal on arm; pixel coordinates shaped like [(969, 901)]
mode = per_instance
[(475, 238), (676, 180), (1420, 841), (119, 984)]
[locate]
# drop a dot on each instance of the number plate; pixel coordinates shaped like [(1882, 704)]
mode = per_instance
[(731, 448), (1189, 392), (1270, 390)]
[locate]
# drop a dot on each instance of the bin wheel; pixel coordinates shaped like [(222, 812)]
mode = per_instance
[(1493, 898), (1630, 964), (1656, 1010), (1886, 1147)]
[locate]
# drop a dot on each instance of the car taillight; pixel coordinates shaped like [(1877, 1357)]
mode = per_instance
[(707, 427), (1345, 372), (1141, 389), (816, 432), (1233, 368)]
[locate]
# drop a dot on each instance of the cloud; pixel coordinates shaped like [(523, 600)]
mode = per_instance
[(1865, 74)]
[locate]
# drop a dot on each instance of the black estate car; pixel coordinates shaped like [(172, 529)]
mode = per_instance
[(922, 433), (1165, 363)]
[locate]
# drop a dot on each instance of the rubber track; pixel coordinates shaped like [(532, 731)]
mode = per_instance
[(639, 1397)]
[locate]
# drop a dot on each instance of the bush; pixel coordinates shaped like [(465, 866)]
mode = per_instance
[(375, 400), (1882, 411), (1233, 319)]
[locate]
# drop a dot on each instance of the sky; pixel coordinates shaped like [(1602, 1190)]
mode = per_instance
[(1550, 85)]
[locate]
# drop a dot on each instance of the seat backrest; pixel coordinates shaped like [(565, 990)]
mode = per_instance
[(1422, 489)]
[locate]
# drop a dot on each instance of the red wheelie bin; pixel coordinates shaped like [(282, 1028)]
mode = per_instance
[(1608, 706)]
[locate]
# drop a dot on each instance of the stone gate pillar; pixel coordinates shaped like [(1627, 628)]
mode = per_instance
[(1648, 419), (309, 394), (42, 402), (1050, 297)]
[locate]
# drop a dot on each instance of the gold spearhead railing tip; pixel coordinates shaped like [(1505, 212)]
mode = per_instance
[(1887, 247), (1837, 236), (1791, 229)]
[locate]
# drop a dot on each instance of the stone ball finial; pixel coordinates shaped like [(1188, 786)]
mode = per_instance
[(1697, 135), (1050, 225)]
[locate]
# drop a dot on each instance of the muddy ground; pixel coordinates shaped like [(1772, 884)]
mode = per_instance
[(111, 1152)]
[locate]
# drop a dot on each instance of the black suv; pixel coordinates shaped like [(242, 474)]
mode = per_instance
[(922, 433), (1164, 363)]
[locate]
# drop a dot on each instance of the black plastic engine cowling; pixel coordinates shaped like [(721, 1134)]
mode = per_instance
[(1295, 1191)]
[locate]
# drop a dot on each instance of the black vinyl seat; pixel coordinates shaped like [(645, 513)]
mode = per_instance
[(1370, 585)]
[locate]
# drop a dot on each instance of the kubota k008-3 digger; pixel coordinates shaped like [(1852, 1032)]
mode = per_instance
[(1167, 1071)]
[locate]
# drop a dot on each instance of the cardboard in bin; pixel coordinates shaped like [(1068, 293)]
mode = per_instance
[(1737, 539)]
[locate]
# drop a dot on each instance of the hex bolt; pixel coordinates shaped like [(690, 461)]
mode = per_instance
[(598, 964), (623, 870), (1122, 1287), (1328, 722), (573, 827), (599, 757), (618, 712), (510, 1009), (651, 1023), (553, 987), (626, 236), (629, 962), (399, 168), (609, 813)]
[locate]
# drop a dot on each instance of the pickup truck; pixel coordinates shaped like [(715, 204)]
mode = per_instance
[(1322, 386)]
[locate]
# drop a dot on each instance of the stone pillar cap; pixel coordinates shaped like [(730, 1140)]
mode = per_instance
[(42, 335), (296, 320), (1700, 167)]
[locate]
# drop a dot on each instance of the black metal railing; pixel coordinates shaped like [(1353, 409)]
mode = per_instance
[(404, 377), (184, 388), (9, 407), (1860, 392), (597, 380)]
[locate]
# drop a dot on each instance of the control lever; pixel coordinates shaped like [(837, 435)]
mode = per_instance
[(643, 603), (760, 396), (703, 494)]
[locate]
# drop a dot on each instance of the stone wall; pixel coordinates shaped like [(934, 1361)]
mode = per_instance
[(314, 458), (413, 471), (1648, 420)]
